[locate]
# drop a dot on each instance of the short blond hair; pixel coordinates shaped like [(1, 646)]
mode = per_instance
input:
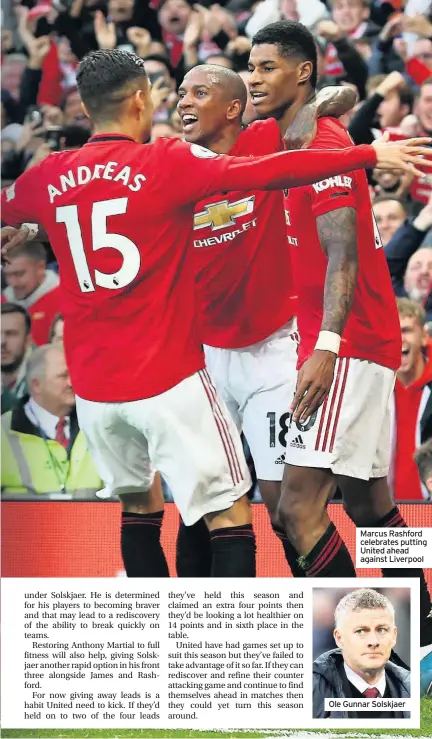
[(408, 308)]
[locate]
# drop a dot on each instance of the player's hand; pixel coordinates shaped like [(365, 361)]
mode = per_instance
[(406, 155), (160, 93), (393, 81), (11, 238), (105, 31), (329, 30), (335, 101), (392, 28), (301, 132), (418, 24), (313, 384), (140, 38)]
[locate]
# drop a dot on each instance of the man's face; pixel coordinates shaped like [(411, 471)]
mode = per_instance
[(249, 114), (55, 390), (203, 106), (12, 71), (14, 341), (389, 215), (24, 275), (289, 10), (73, 112), (390, 111), (348, 14), (424, 107), (273, 80), (366, 639), (120, 10), (174, 15), (418, 275), (414, 339), (422, 50), (387, 180)]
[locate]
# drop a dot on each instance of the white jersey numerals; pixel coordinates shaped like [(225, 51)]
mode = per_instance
[(377, 236), (101, 239)]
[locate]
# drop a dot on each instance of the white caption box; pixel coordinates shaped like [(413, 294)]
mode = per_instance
[(394, 548)]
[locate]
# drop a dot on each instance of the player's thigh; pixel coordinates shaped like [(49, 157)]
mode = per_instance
[(118, 449), (271, 376), (195, 445), (218, 366), (344, 434)]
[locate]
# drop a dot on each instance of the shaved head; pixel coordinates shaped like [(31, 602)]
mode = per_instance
[(231, 84)]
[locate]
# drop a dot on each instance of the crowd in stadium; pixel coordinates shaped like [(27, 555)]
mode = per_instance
[(381, 49)]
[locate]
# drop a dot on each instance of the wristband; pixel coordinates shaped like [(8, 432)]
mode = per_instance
[(33, 230), (328, 341)]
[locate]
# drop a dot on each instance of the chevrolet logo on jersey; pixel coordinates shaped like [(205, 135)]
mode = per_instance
[(223, 214)]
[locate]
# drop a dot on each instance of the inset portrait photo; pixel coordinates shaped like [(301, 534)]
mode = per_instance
[(361, 649)]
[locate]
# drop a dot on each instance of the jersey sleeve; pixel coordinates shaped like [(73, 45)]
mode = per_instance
[(337, 191), (192, 172), (333, 193), (19, 201)]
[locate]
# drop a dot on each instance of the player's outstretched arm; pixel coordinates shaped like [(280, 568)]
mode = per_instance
[(337, 232), (330, 101), (296, 168)]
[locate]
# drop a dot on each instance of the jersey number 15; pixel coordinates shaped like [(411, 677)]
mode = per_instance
[(101, 239)]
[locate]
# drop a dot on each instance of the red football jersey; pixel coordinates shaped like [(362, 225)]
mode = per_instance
[(372, 331), (119, 216), (242, 259)]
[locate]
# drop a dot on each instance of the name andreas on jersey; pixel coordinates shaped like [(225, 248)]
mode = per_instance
[(224, 214)]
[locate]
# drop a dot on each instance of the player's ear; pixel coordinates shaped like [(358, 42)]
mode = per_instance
[(304, 72), (234, 110), (338, 638), (85, 111)]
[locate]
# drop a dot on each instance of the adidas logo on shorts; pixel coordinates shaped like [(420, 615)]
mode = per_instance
[(298, 443), (281, 459)]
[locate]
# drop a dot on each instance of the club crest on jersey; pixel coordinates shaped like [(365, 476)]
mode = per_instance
[(223, 214), (201, 152), (337, 181)]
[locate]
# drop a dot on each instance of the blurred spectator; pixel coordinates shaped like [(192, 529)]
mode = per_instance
[(56, 330), (15, 351), (32, 286), (342, 60), (390, 214), (162, 129), (390, 100), (410, 267), (353, 18), (43, 450), (412, 410), (423, 458)]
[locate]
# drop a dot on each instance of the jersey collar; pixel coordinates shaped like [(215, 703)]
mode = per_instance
[(98, 137)]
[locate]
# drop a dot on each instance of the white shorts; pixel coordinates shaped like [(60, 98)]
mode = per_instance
[(257, 384), (185, 433), (350, 433)]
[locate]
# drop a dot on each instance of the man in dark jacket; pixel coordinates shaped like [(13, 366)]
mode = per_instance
[(364, 665)]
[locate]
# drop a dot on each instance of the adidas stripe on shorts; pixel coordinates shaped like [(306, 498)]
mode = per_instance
[(257, 384), (185, 433), (350, 432)]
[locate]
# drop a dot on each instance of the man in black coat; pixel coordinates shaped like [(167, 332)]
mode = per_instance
[(364, 665)]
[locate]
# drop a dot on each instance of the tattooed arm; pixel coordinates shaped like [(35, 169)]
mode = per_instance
[(337, 231), (330, 101)]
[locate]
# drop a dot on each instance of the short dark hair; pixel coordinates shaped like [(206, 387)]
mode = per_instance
[(34, 250), (386, 198), (8, 309), (293, 39), (102, 75)]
